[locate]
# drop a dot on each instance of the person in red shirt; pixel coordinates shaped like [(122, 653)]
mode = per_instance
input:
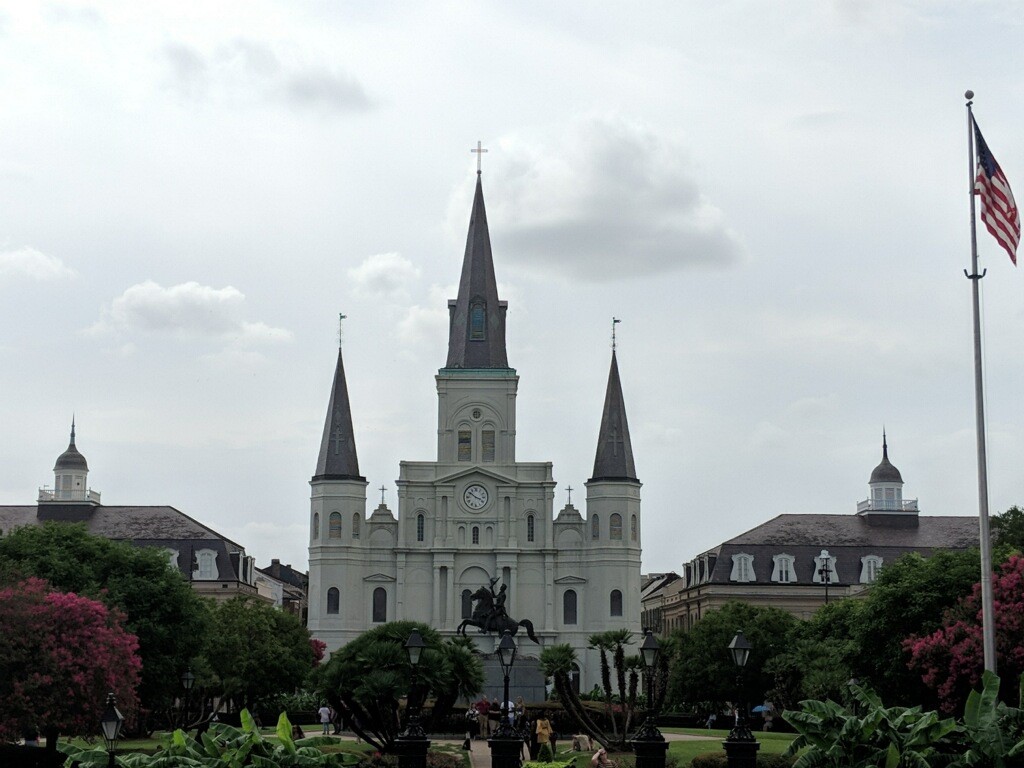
[(483, 708)]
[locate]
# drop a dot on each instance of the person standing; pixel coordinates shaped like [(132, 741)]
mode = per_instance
[(325, 718), (543, 730), (483, 708)]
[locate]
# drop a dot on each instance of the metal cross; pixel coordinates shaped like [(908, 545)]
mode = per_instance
[(479, 152), (382, 489), (568, 489), (615, 321), (341, 330)]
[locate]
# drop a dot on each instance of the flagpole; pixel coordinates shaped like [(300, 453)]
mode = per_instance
[(987, 606)]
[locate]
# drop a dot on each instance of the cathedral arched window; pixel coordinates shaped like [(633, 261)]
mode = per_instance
[(595, 527), (333, 600), (615, 527), (633, 528), (334, 526), (357, 520), (421, 523), (529, 528), (467, 603), (569, 607), (316, 525), (380, 605), (476, 535), (462, 535), (477, 321), (615, 603)]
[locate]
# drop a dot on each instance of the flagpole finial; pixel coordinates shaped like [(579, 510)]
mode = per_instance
[(968, 95)]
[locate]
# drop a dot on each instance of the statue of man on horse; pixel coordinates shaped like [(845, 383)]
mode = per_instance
[(490, 615)]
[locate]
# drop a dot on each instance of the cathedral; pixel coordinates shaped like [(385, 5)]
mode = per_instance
[(475, 515)]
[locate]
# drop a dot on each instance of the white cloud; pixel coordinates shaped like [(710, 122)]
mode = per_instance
[(188, 309), (249, 70), (383, 274), (608, 199), (28, 262)]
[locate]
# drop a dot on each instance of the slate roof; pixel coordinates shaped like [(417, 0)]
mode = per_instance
[(846, 537), (477, 285), (614, 459), (338, 459)]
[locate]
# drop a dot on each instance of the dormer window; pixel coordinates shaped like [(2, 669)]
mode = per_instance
[(206, 565), (477, 321), (742, 568), (869, 568), (782, 571)]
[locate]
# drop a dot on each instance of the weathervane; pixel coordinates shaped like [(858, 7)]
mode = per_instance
[(479, 152), (615, 321), (341, 330)]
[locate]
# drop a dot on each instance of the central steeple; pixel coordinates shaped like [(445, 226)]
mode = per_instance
[(476, 332)]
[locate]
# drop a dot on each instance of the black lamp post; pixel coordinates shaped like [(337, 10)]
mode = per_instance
[(506, 744), (111, 724), (741, 746), (412, 745), (187, 681), (825, 572), (649, 745)]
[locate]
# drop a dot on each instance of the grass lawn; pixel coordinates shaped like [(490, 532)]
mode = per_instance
[(684, 751)]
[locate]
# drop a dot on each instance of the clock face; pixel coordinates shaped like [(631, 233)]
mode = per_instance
[(475, 497)]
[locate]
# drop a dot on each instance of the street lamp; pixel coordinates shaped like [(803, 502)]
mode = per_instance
[(649, 745), (741, 746), (111, 724), (825, 572), (187, 681), (412, 744), (506, 658), (506, 744), (414, 648)]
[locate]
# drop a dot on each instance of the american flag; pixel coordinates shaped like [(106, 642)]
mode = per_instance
[(998, 209)]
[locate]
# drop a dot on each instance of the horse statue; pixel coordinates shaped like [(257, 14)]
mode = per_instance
[(489, 617)]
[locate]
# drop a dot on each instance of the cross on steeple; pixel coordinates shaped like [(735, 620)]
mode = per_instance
[(382, 489), (568, 489), (479, 152), (341, 330), (615, 321), (614, 440), (339, 439)]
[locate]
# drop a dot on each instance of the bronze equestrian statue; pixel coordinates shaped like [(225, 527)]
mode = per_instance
[(489, 614)]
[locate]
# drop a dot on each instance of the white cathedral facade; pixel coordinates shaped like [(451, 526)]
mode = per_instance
[(476, 513)]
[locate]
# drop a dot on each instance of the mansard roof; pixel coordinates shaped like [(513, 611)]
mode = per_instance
[(614, 459), (338, 459), (472, 345)]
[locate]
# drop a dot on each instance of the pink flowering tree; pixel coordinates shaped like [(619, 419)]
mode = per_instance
[(60, 654), (951, 659)]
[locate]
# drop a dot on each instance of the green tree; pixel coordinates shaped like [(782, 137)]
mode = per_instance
[(369, 676), (909, 598), (1008, 532), (159, 606), (257, 652), (703, 670)]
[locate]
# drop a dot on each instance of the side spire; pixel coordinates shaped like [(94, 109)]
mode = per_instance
[(338, 459), (476, 332), (614, 460)]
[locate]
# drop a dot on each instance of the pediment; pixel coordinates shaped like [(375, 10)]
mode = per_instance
[(380, 577), (478, 471), (571, 580)]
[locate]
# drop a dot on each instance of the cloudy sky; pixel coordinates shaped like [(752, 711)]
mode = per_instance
[(771, 196)]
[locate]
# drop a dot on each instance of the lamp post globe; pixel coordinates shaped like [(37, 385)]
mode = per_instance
[(741, 746), (111, 723), (649, 745), (412, 744)]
